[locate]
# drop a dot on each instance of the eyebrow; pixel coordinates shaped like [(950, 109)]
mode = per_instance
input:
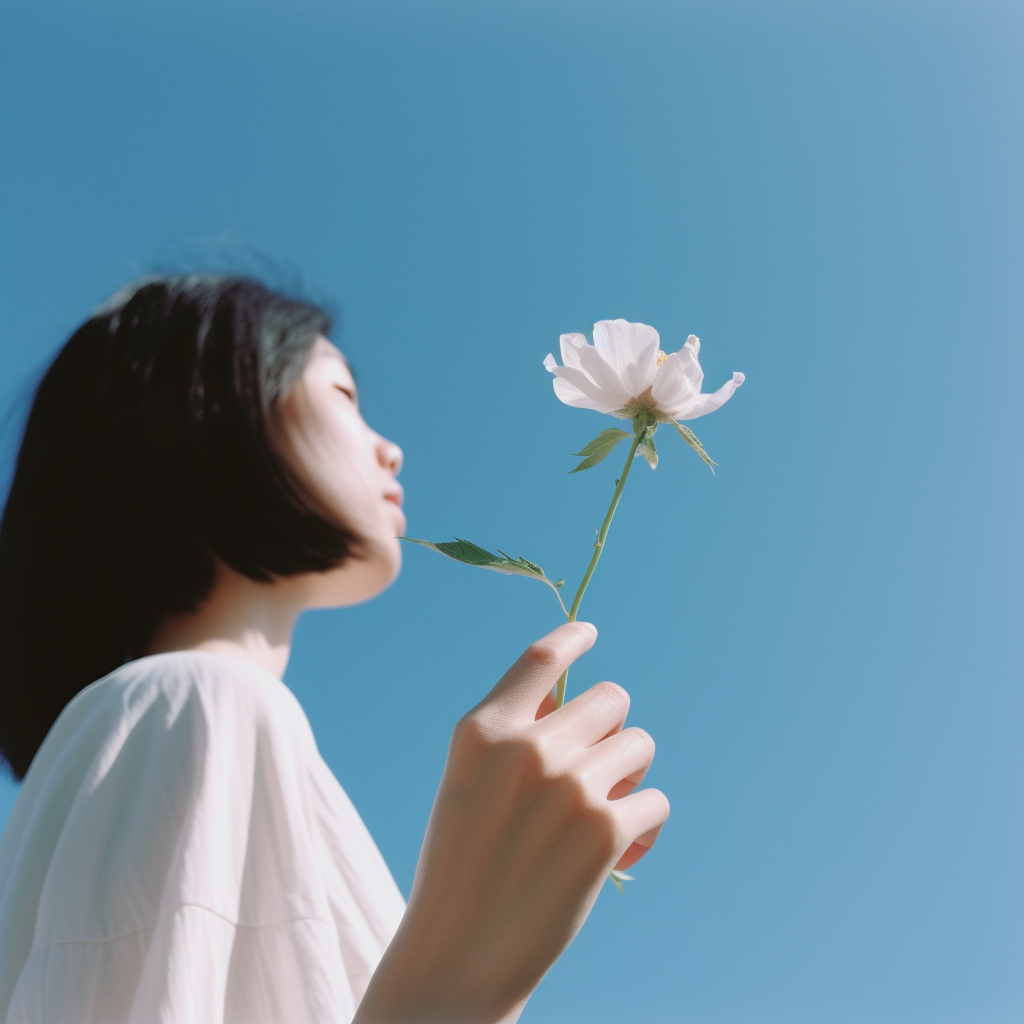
[(351, 373), (336, 353)]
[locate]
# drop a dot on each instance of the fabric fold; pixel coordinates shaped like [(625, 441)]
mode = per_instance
[(181, 852)]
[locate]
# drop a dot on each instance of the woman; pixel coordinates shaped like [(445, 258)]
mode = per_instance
[(194, 474)]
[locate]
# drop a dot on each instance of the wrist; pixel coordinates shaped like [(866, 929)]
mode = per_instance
[(424, 979)]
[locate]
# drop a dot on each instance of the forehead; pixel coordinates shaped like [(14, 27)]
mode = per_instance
[(326, 357)]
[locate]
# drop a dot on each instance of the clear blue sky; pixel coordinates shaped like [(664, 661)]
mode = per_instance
[(825, 639)]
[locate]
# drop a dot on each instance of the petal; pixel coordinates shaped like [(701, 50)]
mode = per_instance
[(631, 350), (569, 343), (672, 387), (701, 405), (612, 388), (688, 356), (571, 396), (582, 385), (549, 362)]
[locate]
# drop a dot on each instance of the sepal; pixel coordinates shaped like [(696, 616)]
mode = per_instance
[(647, 449), (691, 439)]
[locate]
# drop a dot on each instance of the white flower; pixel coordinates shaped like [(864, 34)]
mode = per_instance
[(625, 373)]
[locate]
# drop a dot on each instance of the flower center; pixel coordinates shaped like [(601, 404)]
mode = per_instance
[(643, 402), (662, 356)]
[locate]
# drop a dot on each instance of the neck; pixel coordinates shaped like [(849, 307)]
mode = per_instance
[(241, 617)]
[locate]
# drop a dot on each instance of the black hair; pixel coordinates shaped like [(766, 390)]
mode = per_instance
[(148, 450)]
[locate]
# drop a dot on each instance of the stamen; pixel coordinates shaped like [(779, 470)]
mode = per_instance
[(662, 356)]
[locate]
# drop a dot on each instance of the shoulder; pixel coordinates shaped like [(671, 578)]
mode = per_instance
[(182, 704), (208, 683), (149, 753), (220, 683)]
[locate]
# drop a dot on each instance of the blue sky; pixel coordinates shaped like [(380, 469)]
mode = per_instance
[(825, 637)]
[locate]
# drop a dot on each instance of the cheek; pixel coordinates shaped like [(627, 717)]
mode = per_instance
[(345, 471), (328, 453), (350, 478)]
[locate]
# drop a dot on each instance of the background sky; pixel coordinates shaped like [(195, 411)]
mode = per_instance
[(825, 638)]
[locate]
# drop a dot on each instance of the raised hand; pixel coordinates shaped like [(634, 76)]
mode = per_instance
[(535, 807)]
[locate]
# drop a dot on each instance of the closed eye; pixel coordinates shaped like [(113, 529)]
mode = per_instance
[(346, 391)]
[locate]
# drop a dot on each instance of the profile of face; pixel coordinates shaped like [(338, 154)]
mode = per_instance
[(350, 468)]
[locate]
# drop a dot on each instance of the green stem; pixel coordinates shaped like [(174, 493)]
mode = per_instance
[(598, 548)]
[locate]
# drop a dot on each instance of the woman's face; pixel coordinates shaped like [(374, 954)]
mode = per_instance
[(350, 468)]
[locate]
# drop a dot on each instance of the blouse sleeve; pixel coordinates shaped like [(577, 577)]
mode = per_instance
[(181, 853)]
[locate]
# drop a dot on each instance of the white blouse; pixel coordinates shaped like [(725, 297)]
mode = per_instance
[(180, 852)]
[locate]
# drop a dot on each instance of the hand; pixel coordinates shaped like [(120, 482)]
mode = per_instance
[(535, 807)]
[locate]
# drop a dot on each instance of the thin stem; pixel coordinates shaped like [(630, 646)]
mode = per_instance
[(598, 548), (560, 601)]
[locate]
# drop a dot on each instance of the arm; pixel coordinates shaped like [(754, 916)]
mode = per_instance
[(534, 808)]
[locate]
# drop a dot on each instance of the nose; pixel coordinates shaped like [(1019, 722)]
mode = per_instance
[(389, 455)]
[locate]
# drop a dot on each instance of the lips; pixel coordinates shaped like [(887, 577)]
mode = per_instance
[(396, 497)]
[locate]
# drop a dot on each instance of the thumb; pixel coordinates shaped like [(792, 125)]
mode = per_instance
[(520, 691)]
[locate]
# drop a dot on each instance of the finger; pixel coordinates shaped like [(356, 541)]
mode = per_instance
[(618, 757), (637, 850), (626, 786), (639, 815), (522, 688), (590, 717)]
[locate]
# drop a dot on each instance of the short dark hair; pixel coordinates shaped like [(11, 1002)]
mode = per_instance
[(147, 450)]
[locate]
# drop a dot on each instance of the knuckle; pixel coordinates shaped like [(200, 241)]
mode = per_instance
[(591, 819), (521, 761), (542, 653), (613, 694), (470, 734), (658, 805), (599, 830), (643, 740), (665, 808), (572, 793), (529, 755)]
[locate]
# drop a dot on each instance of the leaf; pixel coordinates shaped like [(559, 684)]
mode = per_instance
[(618, 877), (599, 448), (649, 452), (468, 553), (691, 439)]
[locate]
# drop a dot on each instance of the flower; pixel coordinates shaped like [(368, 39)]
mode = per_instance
[(625, 373)]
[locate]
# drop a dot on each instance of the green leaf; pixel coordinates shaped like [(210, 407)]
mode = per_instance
[(691, 439), (599, 448), (618, 877), (468, 553), (647, 449)]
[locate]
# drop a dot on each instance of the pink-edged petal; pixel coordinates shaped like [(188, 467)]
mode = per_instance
[(569, 343), (549, 363), (701, 405), (672, 387), (612, 388), (631, 350), (688, 357), (583, 385)]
